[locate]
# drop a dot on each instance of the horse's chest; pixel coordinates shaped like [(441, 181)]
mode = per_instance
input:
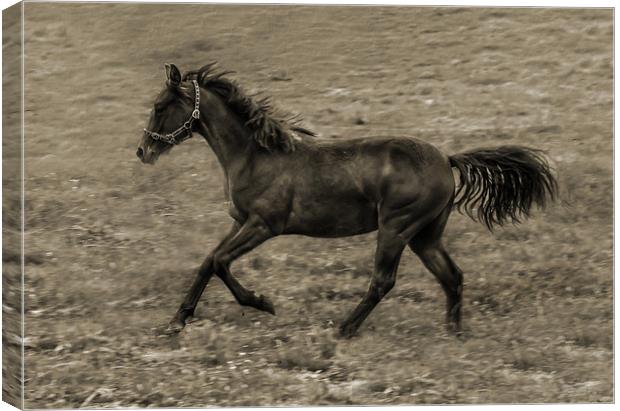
[(236, 207)]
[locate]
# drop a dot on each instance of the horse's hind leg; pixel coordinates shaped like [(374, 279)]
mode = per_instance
[(427, 245), (389, 249)]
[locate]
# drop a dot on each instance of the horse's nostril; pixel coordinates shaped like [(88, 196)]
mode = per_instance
[(140, 153)]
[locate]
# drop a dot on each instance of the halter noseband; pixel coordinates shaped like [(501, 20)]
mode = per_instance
[(171, 138)]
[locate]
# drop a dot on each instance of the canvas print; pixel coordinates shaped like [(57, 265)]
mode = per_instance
[(267, 205)]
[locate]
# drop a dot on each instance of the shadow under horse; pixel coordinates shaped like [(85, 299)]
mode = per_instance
[(282, 179)]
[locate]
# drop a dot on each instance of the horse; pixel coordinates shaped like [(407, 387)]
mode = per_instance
[(281, 178)]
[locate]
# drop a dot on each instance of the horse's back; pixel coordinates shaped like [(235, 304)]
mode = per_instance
[(380, 164)]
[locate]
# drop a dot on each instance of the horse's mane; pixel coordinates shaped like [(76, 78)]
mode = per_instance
[(271, 129)]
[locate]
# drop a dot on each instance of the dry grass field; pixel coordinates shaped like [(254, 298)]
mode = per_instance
[(112, 244)]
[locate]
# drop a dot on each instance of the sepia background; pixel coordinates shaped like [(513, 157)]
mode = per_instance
[(112, 245)]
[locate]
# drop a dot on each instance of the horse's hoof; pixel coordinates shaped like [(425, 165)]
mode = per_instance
[(455, 329), (174, 327), (267, 305), (346, 332)]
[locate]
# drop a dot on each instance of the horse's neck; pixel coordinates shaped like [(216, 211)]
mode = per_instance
[(227, 136)]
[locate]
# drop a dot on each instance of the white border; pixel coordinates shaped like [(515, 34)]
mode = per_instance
[(479, 3)]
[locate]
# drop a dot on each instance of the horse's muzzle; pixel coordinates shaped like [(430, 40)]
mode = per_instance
[(147, 156)]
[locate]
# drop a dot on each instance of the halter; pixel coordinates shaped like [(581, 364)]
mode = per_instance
[(171, 138)]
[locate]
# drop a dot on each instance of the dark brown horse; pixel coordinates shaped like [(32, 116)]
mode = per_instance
[(280, 179)]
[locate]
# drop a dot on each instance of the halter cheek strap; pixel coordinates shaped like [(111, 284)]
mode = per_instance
[(185, 131)]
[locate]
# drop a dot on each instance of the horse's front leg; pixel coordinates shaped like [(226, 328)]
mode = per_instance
[(253, 233), (239, 241), (205, 272)]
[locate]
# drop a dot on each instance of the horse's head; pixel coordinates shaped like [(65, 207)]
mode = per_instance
[(172, 118)]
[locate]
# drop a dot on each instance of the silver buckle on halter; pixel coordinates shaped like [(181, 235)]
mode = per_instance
[(196, 114)]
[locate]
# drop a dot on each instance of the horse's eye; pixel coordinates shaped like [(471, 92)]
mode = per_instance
[(158, 108)]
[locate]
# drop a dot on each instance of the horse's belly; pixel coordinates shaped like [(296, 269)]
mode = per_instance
[(333, 219)]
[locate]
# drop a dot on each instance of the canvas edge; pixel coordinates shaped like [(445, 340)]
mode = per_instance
[(12, 206)]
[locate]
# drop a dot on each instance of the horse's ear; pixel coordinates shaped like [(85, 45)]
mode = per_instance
[(173, 74)]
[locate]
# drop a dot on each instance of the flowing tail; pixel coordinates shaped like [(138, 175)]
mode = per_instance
[(502, 184)]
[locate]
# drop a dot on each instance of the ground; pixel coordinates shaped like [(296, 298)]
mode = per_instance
[(112, 245)]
